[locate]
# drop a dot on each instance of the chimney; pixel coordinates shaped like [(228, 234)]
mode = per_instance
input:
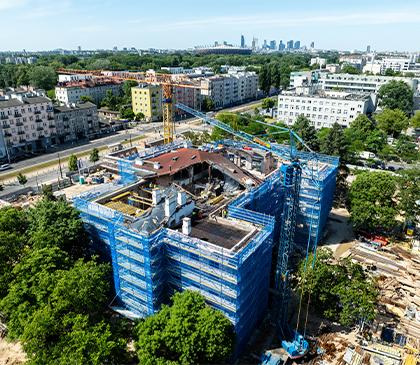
[(186, 226), (156, 196), (182, 198), (156, 165), (170, 206)]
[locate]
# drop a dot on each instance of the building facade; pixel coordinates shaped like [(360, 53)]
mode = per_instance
[(76, 122), (27, 125), (230, 89), (71, 92), (360, 83), (323, 110), (147, 99)]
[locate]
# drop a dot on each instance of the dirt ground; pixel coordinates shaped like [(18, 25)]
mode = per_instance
[(11, 353), (339, 235)]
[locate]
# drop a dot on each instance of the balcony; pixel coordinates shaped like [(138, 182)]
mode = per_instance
[(18, 115), (51, 126), (7, 134), (21, 132), (3, 117), (39, 128), (19, 124), (5, 126), (22, 140), (37, 120), (50, 117), (37, 111)]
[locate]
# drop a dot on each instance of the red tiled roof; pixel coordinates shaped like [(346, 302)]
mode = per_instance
[(172, 162)]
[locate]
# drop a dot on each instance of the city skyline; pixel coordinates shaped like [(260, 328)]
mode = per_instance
[(104, 24)]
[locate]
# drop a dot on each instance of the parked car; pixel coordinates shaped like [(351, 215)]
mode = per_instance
[(5, 166)]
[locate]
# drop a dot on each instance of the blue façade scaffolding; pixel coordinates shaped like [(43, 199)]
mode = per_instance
[(148, 267)]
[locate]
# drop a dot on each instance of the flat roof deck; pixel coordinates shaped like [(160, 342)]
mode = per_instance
[(221, 234)]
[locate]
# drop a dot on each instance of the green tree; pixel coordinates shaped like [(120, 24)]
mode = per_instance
[(127, 86), (22, 180), (73, 163), (340, 291), (415, 120), (392, 121), (409, 194), (372, 201), (57, 223), (396, 95), (375, 141), (51, 94), (306, 131), (406, 148), (349, 69), (264, 79), (139, 117), (34, 278), (207, 104), (187, 332), (86, 99), (267, 103), (94, 155), (13, 225), (335, 143), (127, 113), (43, 77), (47, 192), (110, 100)]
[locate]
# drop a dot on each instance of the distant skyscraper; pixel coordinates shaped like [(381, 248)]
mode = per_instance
[(312, 45), (265, 46), (79, 48), (282, 46), (290, 44), (368, 49), (273, 45), (297, 45), (254, 44), (242, 41)]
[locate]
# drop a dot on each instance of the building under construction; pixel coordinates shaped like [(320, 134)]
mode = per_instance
[(205, 220)]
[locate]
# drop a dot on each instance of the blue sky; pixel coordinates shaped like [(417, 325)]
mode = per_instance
[(332, 24)]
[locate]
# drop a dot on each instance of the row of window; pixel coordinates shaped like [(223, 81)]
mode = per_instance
[(319, 102), (316, 109), (315, 116)]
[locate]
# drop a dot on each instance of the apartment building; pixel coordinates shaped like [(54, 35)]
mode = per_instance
[(147, 99), (70, 92), (27, 125), (323, 109), (76, 122), (360, 83), (187, 96), (233, 88)]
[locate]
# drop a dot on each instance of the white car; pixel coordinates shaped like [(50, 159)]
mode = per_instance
[(6, 166)]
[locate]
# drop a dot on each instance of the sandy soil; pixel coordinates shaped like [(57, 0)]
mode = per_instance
[(11, 353), (339, 233)]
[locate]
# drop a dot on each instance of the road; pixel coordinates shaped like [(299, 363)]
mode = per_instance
[(116, 138)]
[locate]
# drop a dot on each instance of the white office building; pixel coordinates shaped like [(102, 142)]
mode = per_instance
[(360, 83), (323, 109)]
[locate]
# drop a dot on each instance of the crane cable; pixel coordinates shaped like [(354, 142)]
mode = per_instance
[(304, 270)]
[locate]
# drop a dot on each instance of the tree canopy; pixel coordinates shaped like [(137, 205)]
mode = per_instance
[(373, 204), (392, 121), (55, 295), (340, 291), (396, 95), (307, 132), (187, 332)]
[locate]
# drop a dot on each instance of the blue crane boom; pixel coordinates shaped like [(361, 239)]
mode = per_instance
[(293, 342)]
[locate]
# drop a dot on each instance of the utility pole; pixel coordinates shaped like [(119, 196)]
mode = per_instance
[(59, 164)]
